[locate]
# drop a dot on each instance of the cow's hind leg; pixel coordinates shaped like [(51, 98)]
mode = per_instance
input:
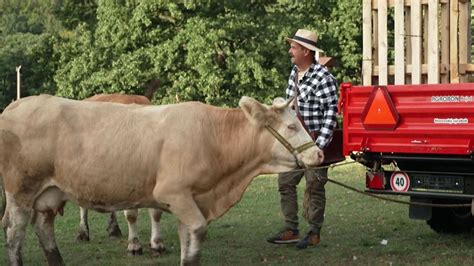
[(44, 229), (157, 246), (134, 246), (15, 221), (83, 234), (113, 228)]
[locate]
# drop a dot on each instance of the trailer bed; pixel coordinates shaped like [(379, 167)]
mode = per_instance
[(414, 119)]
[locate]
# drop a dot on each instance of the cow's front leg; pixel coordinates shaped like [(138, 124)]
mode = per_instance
[(83, 234), (183, 240), (15, 221), (134, 247), (44, 229), (193, 221), (113, 228), (197, 232), (157, 247)]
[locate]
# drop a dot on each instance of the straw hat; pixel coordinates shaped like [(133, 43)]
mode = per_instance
[(306, 38)]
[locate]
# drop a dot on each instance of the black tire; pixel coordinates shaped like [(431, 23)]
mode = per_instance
[(451, 220)]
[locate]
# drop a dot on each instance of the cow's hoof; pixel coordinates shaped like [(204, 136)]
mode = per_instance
[(157, 252), (82, 237), (137, 252), (157, 248), (193, 261), (114, 231), (54, 257)]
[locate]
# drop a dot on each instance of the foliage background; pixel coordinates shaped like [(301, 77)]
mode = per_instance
[(211, 51)]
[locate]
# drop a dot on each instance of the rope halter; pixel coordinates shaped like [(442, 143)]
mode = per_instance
[(288, 146)]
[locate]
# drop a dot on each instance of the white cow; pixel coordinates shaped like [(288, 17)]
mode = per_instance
[(191, 159)]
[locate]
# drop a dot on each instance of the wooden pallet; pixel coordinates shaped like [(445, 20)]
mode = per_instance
[(416, 41)]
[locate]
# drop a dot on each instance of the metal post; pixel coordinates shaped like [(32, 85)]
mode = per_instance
[(18, 82)]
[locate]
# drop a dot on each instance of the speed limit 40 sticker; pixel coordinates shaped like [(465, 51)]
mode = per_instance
[(399, 181)]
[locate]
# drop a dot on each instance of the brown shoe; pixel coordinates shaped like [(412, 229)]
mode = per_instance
[(286, 236), (311, 239)]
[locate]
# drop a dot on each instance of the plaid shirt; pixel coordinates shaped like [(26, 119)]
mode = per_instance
[(317, 100)]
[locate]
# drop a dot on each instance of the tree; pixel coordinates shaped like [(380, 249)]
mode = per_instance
[(345, 33), (28, 32), (210, 51), (33, 53)]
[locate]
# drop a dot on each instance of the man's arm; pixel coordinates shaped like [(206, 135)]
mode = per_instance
[(328, 102), (290, 90)]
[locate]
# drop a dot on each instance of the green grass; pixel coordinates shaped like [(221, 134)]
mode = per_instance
[(354, 227)]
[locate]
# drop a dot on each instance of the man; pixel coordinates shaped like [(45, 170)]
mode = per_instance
[(316, 105)]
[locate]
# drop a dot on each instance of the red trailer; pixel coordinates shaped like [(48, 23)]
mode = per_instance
[(418, 141)]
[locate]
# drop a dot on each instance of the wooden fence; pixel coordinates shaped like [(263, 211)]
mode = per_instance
[(416, 41)]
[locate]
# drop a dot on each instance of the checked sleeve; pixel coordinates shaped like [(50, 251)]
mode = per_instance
[(328, 101)]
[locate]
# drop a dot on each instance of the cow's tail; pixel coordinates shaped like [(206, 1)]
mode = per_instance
[(3, 198), (4, 217), (10, 146), (3, 213), (8, 142), (2, 159)]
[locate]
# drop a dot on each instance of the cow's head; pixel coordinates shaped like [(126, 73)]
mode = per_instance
[(281, 118)]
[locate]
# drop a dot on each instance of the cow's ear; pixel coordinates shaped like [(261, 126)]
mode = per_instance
[(253, 110)]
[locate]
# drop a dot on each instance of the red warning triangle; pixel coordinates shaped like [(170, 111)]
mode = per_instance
[(380, 112)]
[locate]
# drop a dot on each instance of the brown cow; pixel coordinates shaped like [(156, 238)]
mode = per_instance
[(191, 159), (119, 98), (134, 246)]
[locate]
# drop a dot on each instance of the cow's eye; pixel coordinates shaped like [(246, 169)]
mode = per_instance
[(292, 127)]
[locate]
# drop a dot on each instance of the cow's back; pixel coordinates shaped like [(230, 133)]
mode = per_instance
[(81, 146), (65, 142)]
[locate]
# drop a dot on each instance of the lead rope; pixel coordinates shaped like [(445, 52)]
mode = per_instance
[(308, 189)]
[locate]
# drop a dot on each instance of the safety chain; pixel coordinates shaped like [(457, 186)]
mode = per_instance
[(378, 196)]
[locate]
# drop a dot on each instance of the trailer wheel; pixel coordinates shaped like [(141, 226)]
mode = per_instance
[(451, 220)]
